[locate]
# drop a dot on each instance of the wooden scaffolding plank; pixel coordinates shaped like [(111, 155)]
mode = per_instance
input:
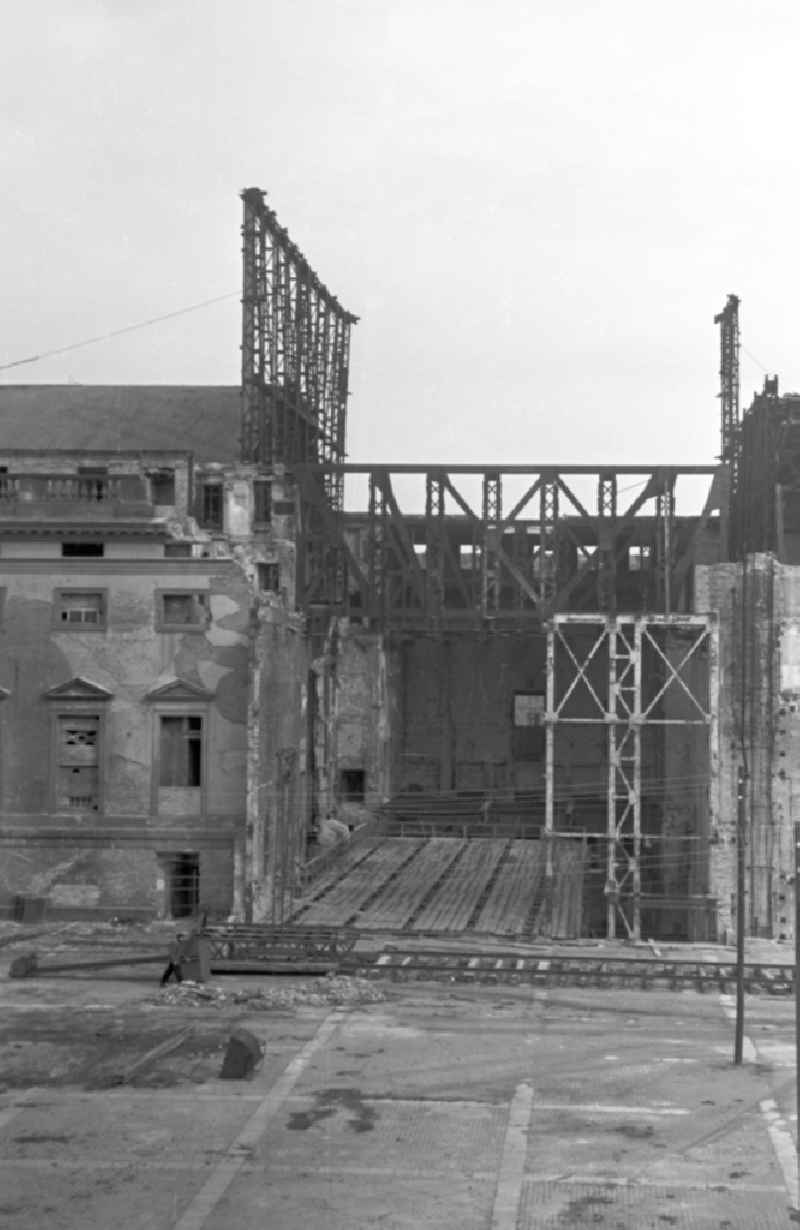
[(360, 883), (402, 897), (347, 854), (513, 896), (568, 862), (453, 905)]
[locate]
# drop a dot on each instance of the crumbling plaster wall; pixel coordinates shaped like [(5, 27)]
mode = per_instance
[(759, 733), (277, 761), (129, 659), (359, 717)]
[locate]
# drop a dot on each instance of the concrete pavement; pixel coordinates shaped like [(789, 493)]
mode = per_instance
[(485, 1107)]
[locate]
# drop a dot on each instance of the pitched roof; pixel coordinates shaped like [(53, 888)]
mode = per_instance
[(202, 419)]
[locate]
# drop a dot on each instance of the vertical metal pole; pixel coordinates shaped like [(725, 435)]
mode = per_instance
[(739, 1040), (611, 805), (549, 804), (797, 980), (637, 781), (667, 551)]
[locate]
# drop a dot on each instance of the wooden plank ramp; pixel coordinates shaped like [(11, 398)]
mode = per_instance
[(392, 909), (568, 861), (358, 885), (513, 896), (453, 904), (345, 856)]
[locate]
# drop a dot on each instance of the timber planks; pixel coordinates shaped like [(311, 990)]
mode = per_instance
[(359, 884), (510, 902), (453, 904), (404, 895)]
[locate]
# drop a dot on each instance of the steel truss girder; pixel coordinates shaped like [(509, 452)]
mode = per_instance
[(625, 704), (295, 352), (548, 553)]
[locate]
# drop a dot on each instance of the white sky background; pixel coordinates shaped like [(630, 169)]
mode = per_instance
[(536, 209)]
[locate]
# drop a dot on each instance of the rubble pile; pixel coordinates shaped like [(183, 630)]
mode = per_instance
[(318, 992)]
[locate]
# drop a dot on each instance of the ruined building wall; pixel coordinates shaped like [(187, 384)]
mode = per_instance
[(278, 802), (111, 849), (352, 724), (759, 731)]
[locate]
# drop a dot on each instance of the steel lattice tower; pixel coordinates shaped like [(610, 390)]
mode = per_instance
[(728, 320), (295, 353)]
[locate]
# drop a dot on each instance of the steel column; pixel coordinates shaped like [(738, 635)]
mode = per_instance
[(492, 533), (611, 801), (549, 798)]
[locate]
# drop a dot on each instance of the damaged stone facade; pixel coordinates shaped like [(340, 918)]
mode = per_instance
[(137, 591), (758, 602)]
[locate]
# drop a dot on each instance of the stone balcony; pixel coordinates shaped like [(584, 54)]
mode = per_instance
[(48, 497)]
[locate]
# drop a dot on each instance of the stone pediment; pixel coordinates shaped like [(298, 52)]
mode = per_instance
[(180, 691), (78, 689)]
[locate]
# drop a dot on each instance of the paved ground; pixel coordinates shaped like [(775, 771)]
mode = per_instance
[(442, 1106)]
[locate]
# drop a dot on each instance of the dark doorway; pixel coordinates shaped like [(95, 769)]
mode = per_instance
[(352, 784), (184, 884)]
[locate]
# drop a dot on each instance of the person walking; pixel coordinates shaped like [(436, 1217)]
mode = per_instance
[(176, 957)]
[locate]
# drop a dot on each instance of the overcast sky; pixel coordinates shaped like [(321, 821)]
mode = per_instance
[(536, 209)]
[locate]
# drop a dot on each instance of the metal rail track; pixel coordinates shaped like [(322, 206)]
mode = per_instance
[(646, 973)]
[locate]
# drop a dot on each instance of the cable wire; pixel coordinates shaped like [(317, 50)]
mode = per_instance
[(104, 337)]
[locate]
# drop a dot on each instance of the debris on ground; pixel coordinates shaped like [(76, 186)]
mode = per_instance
[(319, 992)]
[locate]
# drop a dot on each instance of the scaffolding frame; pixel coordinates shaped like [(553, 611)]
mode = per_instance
[(295, 353), (625, 705)]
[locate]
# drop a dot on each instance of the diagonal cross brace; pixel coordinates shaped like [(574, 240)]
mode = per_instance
[(675, 673), (581, 670)]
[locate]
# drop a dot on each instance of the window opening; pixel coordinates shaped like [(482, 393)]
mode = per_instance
[(183, 610), (77, 609), (262, 502), (529, 708), (184, 884), (639, 558), (181, 751), (162, 487), (211, 506), (528, 735), (177, 550), (269, 577), (77, 784), (352, 785), (74, 549)]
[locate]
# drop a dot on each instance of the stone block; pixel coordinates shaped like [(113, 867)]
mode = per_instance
[(242, 1056)]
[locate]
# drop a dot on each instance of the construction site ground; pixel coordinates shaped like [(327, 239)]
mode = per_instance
[(382, 1103)]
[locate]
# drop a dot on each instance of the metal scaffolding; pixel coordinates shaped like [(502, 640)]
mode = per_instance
[(628, 674), (728, 320), (295, 353)]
